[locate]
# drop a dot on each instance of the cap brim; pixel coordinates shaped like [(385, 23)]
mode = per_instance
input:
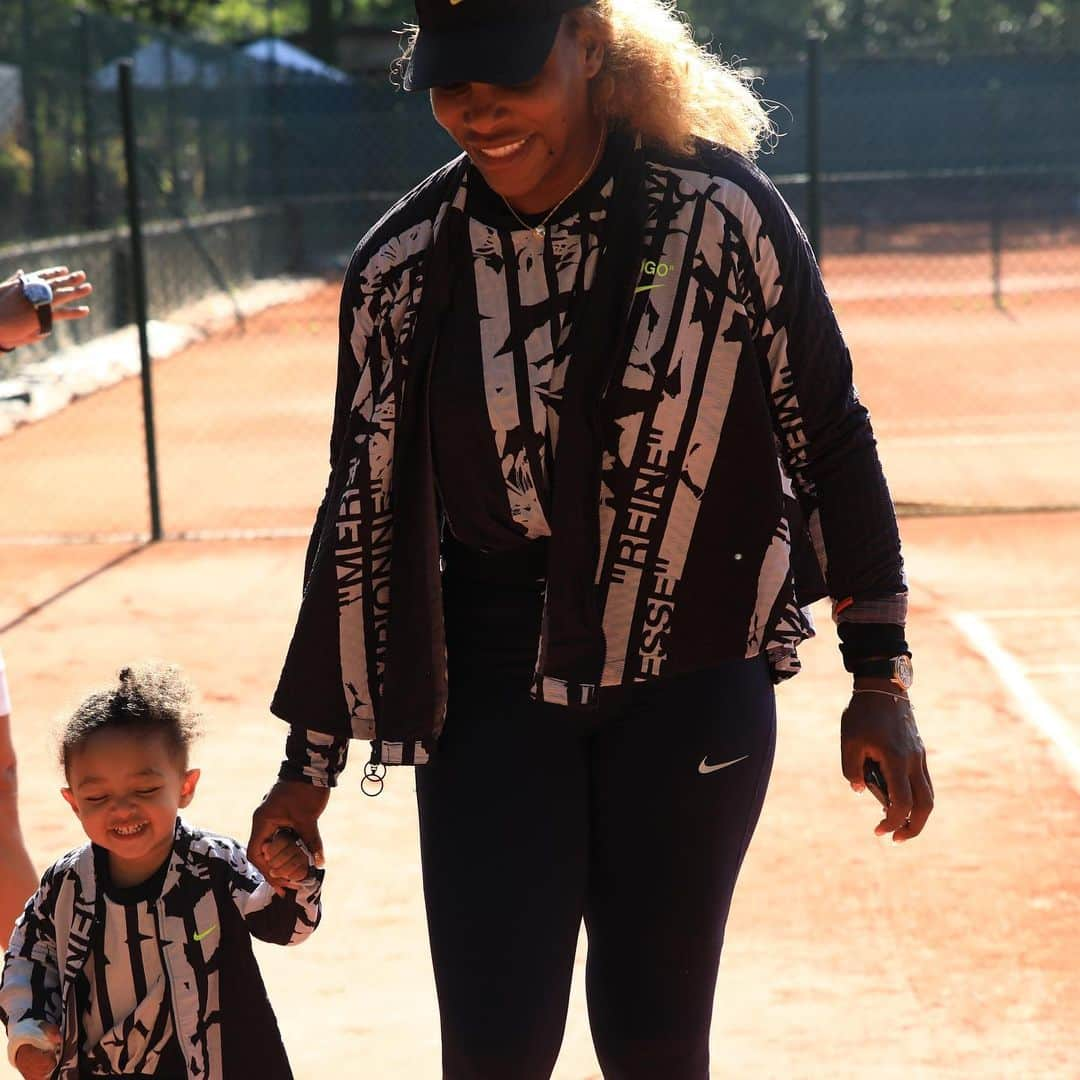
[(502, 53)]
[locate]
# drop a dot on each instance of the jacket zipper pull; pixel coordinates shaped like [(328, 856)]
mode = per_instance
[(374, 776)]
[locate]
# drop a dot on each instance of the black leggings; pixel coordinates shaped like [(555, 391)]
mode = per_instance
[(531, 821)]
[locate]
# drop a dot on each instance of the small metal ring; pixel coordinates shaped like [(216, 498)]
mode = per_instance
[(374, 778)]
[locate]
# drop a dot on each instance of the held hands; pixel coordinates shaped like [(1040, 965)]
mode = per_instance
[(294, 806), (18, 320), (879, 724), (286, 858), (37, 1064)]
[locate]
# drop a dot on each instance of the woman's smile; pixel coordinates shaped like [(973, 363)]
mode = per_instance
[(500, 153)]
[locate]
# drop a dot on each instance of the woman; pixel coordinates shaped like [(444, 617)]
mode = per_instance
[(593, 408)]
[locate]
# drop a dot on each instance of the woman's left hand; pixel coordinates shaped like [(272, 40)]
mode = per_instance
[(880, 725)]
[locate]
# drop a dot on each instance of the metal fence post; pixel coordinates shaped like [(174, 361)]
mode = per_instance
[(994, 93), (138, 278), (89, 124), (814, 212), (172, 139), (28, 87)]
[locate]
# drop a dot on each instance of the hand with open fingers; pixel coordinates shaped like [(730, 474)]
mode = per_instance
[(881, 727), (289, 805), (36, 1063), (19, 324), (286, 857)]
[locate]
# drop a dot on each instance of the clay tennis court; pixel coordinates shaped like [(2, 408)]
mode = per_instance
[(955, 956)]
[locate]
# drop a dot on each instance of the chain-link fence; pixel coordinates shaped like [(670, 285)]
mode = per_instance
[(944, 193)]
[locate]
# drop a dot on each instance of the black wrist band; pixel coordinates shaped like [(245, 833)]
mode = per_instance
[(860, 642)]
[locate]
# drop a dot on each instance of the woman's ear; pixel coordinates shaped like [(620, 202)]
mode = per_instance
[(593, 51)]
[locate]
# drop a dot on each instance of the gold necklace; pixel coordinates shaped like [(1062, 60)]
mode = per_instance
[(540, 231)]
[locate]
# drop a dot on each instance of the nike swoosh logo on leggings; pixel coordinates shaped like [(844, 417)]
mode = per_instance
[(705, 768)]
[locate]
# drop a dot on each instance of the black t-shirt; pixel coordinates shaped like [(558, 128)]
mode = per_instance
[(125, 1011), (500, 365)]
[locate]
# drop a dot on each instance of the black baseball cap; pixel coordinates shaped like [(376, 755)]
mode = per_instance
[(492, 41)]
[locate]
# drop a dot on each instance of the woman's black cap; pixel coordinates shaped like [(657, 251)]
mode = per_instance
[(492, 41)]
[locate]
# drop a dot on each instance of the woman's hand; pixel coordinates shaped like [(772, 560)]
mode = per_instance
[(18, 320), (879, 724), (37, 1064), (289, 805)]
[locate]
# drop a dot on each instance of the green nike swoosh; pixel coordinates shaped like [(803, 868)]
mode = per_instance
[(647, 288), (206, 933)]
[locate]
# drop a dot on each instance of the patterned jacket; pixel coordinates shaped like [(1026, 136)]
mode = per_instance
[(212, 901), (708, 433)]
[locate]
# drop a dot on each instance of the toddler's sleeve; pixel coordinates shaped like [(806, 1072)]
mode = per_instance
[(30, 986), (281, 920)]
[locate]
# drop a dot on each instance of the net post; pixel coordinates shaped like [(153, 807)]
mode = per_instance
[(994, 93), (814, 213), (138, 281), (89, 119), (28, 89)]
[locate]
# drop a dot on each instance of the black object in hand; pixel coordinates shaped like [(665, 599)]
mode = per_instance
[(875, 780)]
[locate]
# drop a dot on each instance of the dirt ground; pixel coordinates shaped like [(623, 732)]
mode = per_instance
[(954, 956), (974, 407)]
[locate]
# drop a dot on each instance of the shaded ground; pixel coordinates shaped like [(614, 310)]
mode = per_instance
[(953, 956)]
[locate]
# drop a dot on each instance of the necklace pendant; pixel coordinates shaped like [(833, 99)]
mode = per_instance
[(539, 232)]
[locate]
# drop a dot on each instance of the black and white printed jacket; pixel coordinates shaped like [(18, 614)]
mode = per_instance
[(729, 440), (212, 901)]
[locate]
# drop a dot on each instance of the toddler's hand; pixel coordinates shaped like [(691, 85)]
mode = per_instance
[(285, 857), (37, 1064)]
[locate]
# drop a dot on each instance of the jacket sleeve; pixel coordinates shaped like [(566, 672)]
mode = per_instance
[(314, 758), (823, 430), (348, 378), (30, 987), (280, 920)]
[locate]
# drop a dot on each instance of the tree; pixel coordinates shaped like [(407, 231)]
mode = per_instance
[(761, 31)]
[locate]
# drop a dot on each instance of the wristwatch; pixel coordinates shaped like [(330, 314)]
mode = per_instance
[(897, 670), (40, 294)]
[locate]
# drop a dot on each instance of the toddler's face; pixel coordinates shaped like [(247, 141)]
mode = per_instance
[(126, 790)]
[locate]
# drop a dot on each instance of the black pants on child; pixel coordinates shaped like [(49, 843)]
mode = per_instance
[(531, 820)]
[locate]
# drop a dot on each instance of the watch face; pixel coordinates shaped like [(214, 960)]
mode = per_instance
[(904, 674), (37, 292)]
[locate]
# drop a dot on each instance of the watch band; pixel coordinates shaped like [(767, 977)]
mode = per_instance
[(44, 315), (897, 669), (881, 669), (39, 294)]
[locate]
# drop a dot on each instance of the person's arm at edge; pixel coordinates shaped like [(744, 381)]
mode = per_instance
[(831, 455)]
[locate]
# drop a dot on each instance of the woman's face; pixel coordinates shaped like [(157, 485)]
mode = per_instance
[(533, 142)]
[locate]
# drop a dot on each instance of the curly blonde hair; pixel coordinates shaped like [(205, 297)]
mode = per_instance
[(657, 79)]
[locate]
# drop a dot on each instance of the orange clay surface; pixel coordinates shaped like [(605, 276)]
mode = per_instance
[(953, 956), (974, 407)]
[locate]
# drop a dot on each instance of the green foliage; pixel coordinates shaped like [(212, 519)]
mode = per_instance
[(760, 31)]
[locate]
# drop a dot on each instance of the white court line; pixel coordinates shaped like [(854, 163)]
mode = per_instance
[(1032, 705), (989, 438), (1030, 613)]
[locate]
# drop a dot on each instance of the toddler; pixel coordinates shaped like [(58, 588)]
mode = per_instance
[(134, 957)]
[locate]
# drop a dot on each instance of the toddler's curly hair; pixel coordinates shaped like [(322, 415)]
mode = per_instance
[(149, 699)]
